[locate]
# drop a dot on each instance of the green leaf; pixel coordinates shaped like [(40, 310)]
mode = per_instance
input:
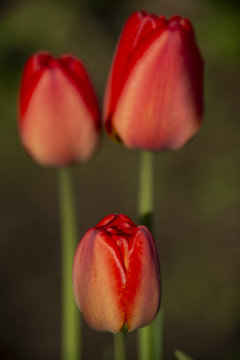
[(181, 355)]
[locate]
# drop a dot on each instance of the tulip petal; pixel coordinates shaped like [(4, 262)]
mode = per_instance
[(116, 276), (167, 82), (99, 280), (137, 27), (75, 71), (142, 293), (57, 124), (154, 94), (32, 72)]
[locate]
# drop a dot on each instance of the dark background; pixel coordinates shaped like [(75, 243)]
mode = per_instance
[(197, 189)]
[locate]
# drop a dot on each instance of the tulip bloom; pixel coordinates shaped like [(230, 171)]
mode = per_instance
[(116, 276), (59, 118), (153, 99)]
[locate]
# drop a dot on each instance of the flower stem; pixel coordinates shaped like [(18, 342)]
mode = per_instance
[(119, 346), (71, 339), (150, 338), (145, 343), (146, 189)]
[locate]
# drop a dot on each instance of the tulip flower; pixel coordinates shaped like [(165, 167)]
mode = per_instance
[(153, 98), (116, 277), (59, 119)]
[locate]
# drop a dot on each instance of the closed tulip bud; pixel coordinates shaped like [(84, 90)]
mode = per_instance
[(154, 99), (59, 118), (116, 277)]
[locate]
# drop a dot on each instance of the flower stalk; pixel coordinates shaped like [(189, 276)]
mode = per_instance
[(71, 337), (119, 346), (145, 335), (150, 338), (146, 189)]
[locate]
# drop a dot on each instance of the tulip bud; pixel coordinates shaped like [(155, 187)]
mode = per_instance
[(154, 99), (59, 118), (116, 276)]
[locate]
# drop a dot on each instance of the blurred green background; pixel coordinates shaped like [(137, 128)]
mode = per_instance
[(197, 196)]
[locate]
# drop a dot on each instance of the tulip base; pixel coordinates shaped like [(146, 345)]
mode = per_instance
[(71, 339)]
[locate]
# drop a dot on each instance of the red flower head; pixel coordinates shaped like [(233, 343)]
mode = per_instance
[(116, 276), (59, 118), (154, 99)]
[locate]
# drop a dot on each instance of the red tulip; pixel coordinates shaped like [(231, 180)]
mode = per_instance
[(116, 277), (59, 118), (154, 98)]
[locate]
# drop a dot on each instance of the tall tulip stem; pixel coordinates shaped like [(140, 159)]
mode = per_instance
[(150, 337), (146, 189), (71, 340), (119, 346)]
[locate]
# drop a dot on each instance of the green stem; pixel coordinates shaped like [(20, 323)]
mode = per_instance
[(71, 339), (146, 189), (150, 338), (119, 346), (145, 343)]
